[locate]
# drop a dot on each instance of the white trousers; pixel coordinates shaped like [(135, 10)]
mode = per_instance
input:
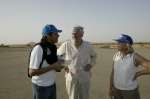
[(77, 89)]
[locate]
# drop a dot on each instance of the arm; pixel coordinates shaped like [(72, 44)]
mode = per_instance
[(93, 60), (35, 60), (61, 55), (92, 56), (61, 50), (37, 72), (112, 89), (139, 60), (111, 78), (111, 86)]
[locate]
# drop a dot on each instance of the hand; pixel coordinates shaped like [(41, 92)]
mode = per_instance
[(57, 66), (87, 67), (66, 69), (112, 92), (61, 61), (136, 75)]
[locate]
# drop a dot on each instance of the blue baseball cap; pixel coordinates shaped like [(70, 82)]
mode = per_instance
[(125, 39), (48, 29)]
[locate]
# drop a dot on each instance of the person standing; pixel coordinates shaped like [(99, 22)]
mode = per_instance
[(80, 58), (126, 64), (43, 64)]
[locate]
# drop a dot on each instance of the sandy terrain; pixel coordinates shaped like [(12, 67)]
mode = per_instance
[(14, 83)]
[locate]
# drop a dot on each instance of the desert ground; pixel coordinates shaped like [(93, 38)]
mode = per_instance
[(14, 83)]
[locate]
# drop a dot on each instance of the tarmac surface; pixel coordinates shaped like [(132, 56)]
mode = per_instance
[(14, 83)]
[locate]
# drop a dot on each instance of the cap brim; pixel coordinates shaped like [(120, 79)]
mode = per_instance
[(59, 31), (116, 40), (121, 41)]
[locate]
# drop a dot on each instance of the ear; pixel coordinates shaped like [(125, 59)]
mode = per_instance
[(49, 37), (130, 48)]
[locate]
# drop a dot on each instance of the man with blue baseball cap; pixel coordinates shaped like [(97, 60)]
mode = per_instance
[(44, 63), (126, 70)]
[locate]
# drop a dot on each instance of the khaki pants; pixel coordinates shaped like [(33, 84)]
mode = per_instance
[(77, 89), (127, 94)]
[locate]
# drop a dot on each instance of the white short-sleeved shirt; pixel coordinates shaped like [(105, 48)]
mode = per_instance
[(78, 58), (47, 78), (124, 72)]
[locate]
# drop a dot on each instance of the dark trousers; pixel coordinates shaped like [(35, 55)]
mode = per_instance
[(44, 92), (127, 94)]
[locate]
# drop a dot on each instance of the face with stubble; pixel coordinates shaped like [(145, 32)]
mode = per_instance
[(53, 38), (77, 36)]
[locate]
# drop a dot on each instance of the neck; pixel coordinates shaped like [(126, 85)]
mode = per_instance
[(50, 41), (124, 53), (78, 43), (127, 51)]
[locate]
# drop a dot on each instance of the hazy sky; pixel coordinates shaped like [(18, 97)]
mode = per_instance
[(21, 21)]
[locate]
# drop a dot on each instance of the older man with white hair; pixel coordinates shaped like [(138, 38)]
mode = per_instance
[(79, 57)]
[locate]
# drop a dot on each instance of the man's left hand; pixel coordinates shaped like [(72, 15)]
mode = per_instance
[(88, 67)]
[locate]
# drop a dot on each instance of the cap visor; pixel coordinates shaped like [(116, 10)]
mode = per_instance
[(59, 31), (119, 41)]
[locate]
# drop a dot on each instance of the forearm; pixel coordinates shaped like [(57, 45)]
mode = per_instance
[(112, 77), (37, 72), (111, 81), (93, 60), (143, 72)]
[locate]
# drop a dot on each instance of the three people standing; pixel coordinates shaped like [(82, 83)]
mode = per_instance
[(79, 58)]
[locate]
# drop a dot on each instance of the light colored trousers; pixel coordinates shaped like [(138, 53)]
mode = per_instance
[(76, 88)]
